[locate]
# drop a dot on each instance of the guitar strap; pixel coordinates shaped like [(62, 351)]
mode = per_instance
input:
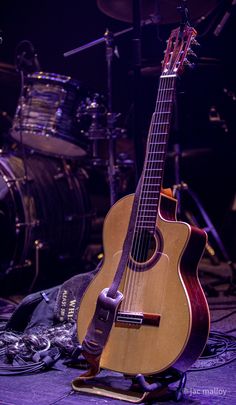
[(107, 303)]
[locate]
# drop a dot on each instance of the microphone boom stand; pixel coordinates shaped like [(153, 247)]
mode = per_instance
[(108, 38), (110, 118)]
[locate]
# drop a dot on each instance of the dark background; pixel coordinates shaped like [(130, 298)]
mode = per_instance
[(55, 27)]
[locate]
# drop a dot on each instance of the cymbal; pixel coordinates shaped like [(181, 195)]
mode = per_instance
[(165, 10), (6, 67), (151, 70), (190, 153), (122, 9), (8, 73), (155, 70)]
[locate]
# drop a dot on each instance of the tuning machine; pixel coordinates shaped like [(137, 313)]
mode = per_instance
[(189, 64), (194, 42)]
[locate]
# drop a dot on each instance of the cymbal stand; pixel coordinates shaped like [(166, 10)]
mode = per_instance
[(179, 188), (109, 40), (136, 45), (111, 117)]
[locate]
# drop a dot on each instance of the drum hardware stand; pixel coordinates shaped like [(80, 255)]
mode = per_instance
[(181, 187), (38, 247), (224, 19), (108, 39), (110, 119), (136, 44), (27, 263), (151, 20)]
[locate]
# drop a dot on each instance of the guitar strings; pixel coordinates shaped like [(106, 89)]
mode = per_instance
[(150, 187), (153, 175), (138, 243)]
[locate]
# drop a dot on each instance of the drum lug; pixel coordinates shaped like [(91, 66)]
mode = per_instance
[(58, 176), (32, 224), (39, 244), (27, 263), (16, 180)]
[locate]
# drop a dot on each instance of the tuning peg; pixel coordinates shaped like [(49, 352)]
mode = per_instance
[(194, 42), (192, 54), (189, 64)]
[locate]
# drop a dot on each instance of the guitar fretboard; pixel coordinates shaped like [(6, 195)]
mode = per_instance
[(155, 155)]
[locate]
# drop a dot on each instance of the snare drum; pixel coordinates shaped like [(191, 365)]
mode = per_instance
[(45, 118)]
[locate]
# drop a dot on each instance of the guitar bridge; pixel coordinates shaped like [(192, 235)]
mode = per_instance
[(131, 319)]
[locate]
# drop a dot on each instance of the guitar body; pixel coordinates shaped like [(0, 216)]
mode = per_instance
[(166, 285)]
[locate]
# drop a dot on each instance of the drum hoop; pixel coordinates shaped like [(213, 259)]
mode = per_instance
[(52, 77), (21, 216)]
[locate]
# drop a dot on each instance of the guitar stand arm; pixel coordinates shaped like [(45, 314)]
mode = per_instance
[(158, 386)]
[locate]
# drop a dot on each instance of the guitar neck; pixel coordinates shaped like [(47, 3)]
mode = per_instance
[(155, 155)]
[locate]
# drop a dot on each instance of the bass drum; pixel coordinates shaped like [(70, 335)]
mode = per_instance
[(44, 215)]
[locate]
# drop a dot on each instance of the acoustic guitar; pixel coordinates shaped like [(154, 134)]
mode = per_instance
[(161, 317)]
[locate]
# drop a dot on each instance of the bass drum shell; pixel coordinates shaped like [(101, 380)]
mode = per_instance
[(44, 209)]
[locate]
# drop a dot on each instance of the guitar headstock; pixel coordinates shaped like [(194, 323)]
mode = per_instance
[(178, 49)]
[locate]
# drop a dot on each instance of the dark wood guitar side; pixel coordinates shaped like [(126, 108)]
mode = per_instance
[(163, 319)]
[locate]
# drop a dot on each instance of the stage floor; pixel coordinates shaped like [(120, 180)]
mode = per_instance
[(210, 381)]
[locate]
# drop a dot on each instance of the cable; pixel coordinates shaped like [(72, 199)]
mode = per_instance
[(62, 397), (224, 317), (224, 345)]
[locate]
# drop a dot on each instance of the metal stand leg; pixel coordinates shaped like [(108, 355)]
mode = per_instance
[(181, 187)]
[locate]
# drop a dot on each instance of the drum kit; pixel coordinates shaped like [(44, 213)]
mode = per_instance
[(58, 136), (44, 207)]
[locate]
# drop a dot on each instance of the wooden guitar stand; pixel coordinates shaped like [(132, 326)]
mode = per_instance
[(141, 389)]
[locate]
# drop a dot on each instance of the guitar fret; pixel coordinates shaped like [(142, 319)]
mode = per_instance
[(167, 89), (162, 112), (146, 226), (151, 199), (147, 214), (151, 192), (152, 169), (154, 204), (154, 153), (144, 217), (154, 181), (153, 177), (159, 133), (151, 210), (157, 161), (159, 143), (152, 185), (157, 152), (156, 170), (147, 191), (162, 123)]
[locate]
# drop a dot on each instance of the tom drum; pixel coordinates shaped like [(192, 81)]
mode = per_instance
[(45, 118)]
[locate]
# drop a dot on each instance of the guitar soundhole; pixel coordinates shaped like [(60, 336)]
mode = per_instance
[(144, 246)]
